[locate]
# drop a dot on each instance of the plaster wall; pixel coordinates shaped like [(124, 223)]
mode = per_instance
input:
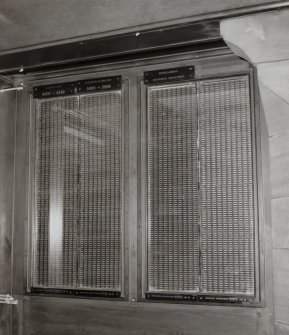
[(263, 40)]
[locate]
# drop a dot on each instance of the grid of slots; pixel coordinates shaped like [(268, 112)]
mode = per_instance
[(56, 189), (226, 184), (101, 190), (201, 218), (173, 259), (78, 235)]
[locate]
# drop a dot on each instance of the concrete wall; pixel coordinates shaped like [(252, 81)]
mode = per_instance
[(264, 40), (30, 22)]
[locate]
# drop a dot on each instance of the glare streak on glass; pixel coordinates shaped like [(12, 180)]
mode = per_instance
[(173, 246), (227, 204), (55, 201)]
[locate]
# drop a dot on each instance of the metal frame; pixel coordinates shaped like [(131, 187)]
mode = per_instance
[(110, 67), (257, 193), (31, 213), (222, 64), (258, 158), (257, 183), (32, 192)]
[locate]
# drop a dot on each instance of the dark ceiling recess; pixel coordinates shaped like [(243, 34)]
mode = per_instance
[(151, 42)]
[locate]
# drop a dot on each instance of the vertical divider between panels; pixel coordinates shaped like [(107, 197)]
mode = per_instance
[(34, 227), (148, 188), (78, 195), (144, 189), (124, 229)]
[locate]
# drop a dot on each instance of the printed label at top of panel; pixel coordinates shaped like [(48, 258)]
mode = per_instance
[(77, 87), (54, 90), (163, 76), (99, 84)]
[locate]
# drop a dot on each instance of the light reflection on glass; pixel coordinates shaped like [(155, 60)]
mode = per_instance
[(56, 217), (55, 234)]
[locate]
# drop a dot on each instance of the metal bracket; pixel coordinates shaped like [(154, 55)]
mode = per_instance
[(7, 299), (19, 88)]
